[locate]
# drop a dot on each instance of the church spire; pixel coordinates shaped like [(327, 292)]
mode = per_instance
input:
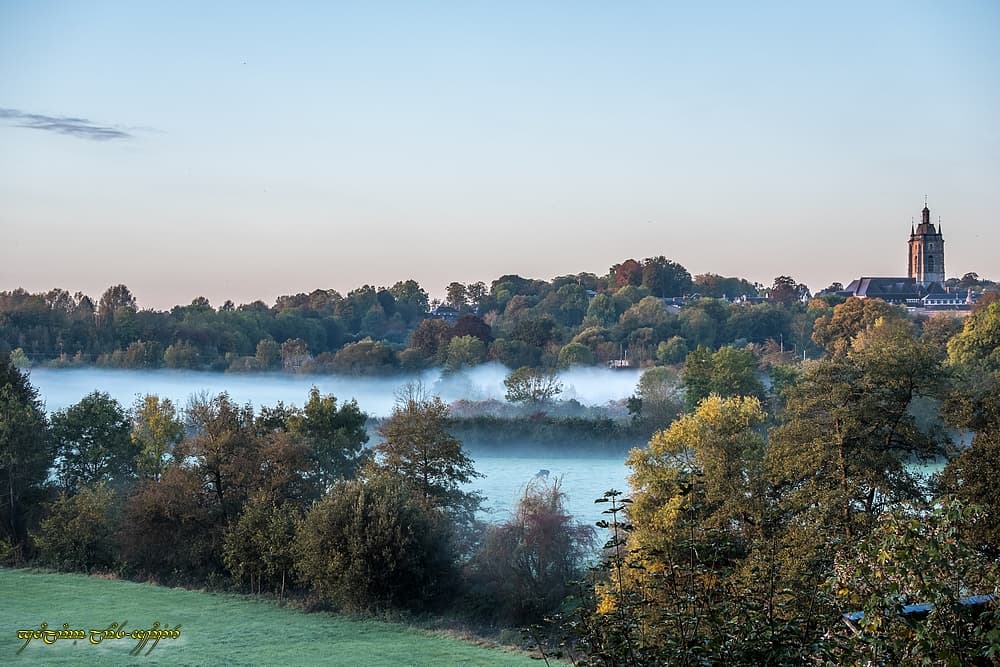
[(926, 213)]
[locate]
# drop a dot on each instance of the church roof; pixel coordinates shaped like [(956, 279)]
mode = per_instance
[(884, 288), (895, 290)]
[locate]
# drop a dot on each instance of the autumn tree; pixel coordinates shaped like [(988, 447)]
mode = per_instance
[(979, 341), (698, 584), (525, 566), (172, 527), (917, 557), (786, 291), (223, 450), (628, 272), (268, 354), (710, 462), (430, 337), (834, 333)]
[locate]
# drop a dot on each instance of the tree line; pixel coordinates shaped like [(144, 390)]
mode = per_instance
[(573, 319)]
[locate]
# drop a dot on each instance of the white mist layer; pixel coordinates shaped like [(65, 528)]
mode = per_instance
[(60, 388)]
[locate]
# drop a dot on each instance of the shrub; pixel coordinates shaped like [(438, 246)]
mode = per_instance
[(367, 545), (524, 566), (78, 533)]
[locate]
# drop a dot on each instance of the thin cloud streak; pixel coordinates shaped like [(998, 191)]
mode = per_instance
[(68, 125)]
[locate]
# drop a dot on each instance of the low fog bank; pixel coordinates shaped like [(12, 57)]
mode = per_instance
[(60, 388)]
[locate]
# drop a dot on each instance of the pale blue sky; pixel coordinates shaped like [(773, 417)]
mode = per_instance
[(277, 148)]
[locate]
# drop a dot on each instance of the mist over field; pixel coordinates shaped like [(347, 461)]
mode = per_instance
[(61, 388)]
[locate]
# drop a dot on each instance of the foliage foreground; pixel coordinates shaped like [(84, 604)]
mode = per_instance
[(216, 629)]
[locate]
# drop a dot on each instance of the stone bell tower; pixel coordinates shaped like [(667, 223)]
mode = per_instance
[(926, 257)]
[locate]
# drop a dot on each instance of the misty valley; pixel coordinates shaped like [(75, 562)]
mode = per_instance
[(584, 474)]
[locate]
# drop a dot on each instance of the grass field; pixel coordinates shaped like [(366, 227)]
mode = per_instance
[(216, 629)]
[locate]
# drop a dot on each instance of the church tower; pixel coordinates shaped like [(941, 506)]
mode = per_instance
[(926, 258)]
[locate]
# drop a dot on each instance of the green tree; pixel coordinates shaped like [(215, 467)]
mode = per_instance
[(411, 299), (477, 295), (726, 372), (224, 450), (93, 443), (19, 359), (464, 352), (182, 354), (25, 456), (335, 436), (155, 431), (115, 299), (457, 297), (532, 386), (417, 447), (660, 397), (973, 405), (671, 351), (602, 311), (649, 312), (717, 287), (665, 277), (575, 354)]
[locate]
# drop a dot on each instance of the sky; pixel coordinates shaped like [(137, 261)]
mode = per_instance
[(242, 150)]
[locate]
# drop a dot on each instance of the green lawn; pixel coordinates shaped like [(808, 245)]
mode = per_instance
[(216, 629)]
